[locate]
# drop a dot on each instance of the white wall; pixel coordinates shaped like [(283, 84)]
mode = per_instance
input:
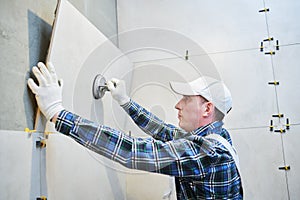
[(65, 169), (16, 166), (229, 34), (223, 41)]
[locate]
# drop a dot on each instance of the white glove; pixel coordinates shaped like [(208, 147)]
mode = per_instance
[(118, 90), (49, 93)]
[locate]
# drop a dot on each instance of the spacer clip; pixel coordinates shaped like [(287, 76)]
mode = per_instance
[(271, 125), (269, 39), (285, 168), (280, 131), (270, 53), (264, 10), (287, 124), (274, 83), (27, 130), (261, 46), (41, 198), (277, 45), (187, 55), (278, 115)]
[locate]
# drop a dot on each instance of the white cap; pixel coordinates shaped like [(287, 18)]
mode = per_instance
[(211, 89)]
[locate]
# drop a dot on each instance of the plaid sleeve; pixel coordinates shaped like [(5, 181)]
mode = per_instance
[(149, 123), (179, 158)]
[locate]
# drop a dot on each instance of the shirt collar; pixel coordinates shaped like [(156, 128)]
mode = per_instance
[(214, 127)]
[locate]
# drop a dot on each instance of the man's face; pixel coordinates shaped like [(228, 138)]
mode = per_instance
[(190, 111)]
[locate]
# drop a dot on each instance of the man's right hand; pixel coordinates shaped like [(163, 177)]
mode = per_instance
[(118, 90)]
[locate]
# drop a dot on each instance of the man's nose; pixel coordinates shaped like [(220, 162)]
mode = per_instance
[(177, 106)]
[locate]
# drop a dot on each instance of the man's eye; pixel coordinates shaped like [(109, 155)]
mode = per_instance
[(186, 98)]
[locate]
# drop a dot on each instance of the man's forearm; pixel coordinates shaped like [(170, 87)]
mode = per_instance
[(149, 123)]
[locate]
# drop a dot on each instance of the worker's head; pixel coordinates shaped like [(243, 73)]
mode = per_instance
[(204, 100)]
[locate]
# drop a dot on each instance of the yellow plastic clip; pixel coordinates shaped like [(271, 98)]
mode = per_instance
[(278, 115), (264, 10), (271, 125), (285, 168), (280, 131), (269, 39), (27, 130), (274, 83), (261, 46), (41, 198), (270, 53), (287, 124)]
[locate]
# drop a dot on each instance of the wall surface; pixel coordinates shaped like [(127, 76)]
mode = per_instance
[(25, 29), (230, 35), (25, 32), (165, 40)]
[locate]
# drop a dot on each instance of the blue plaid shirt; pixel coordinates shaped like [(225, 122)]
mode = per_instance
[(203, 168)]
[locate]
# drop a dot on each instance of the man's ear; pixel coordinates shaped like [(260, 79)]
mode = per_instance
[(209, 108)]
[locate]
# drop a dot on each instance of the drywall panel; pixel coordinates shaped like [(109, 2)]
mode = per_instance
[(79, 52), (260, 155), (16, 157)]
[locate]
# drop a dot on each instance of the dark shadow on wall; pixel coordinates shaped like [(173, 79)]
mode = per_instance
[(39, 35)]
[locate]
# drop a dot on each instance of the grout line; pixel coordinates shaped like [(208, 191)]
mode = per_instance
[(277, 103), (256, 127), (214, 53)]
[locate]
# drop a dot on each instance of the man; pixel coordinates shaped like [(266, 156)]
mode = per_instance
[(203, 166)]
